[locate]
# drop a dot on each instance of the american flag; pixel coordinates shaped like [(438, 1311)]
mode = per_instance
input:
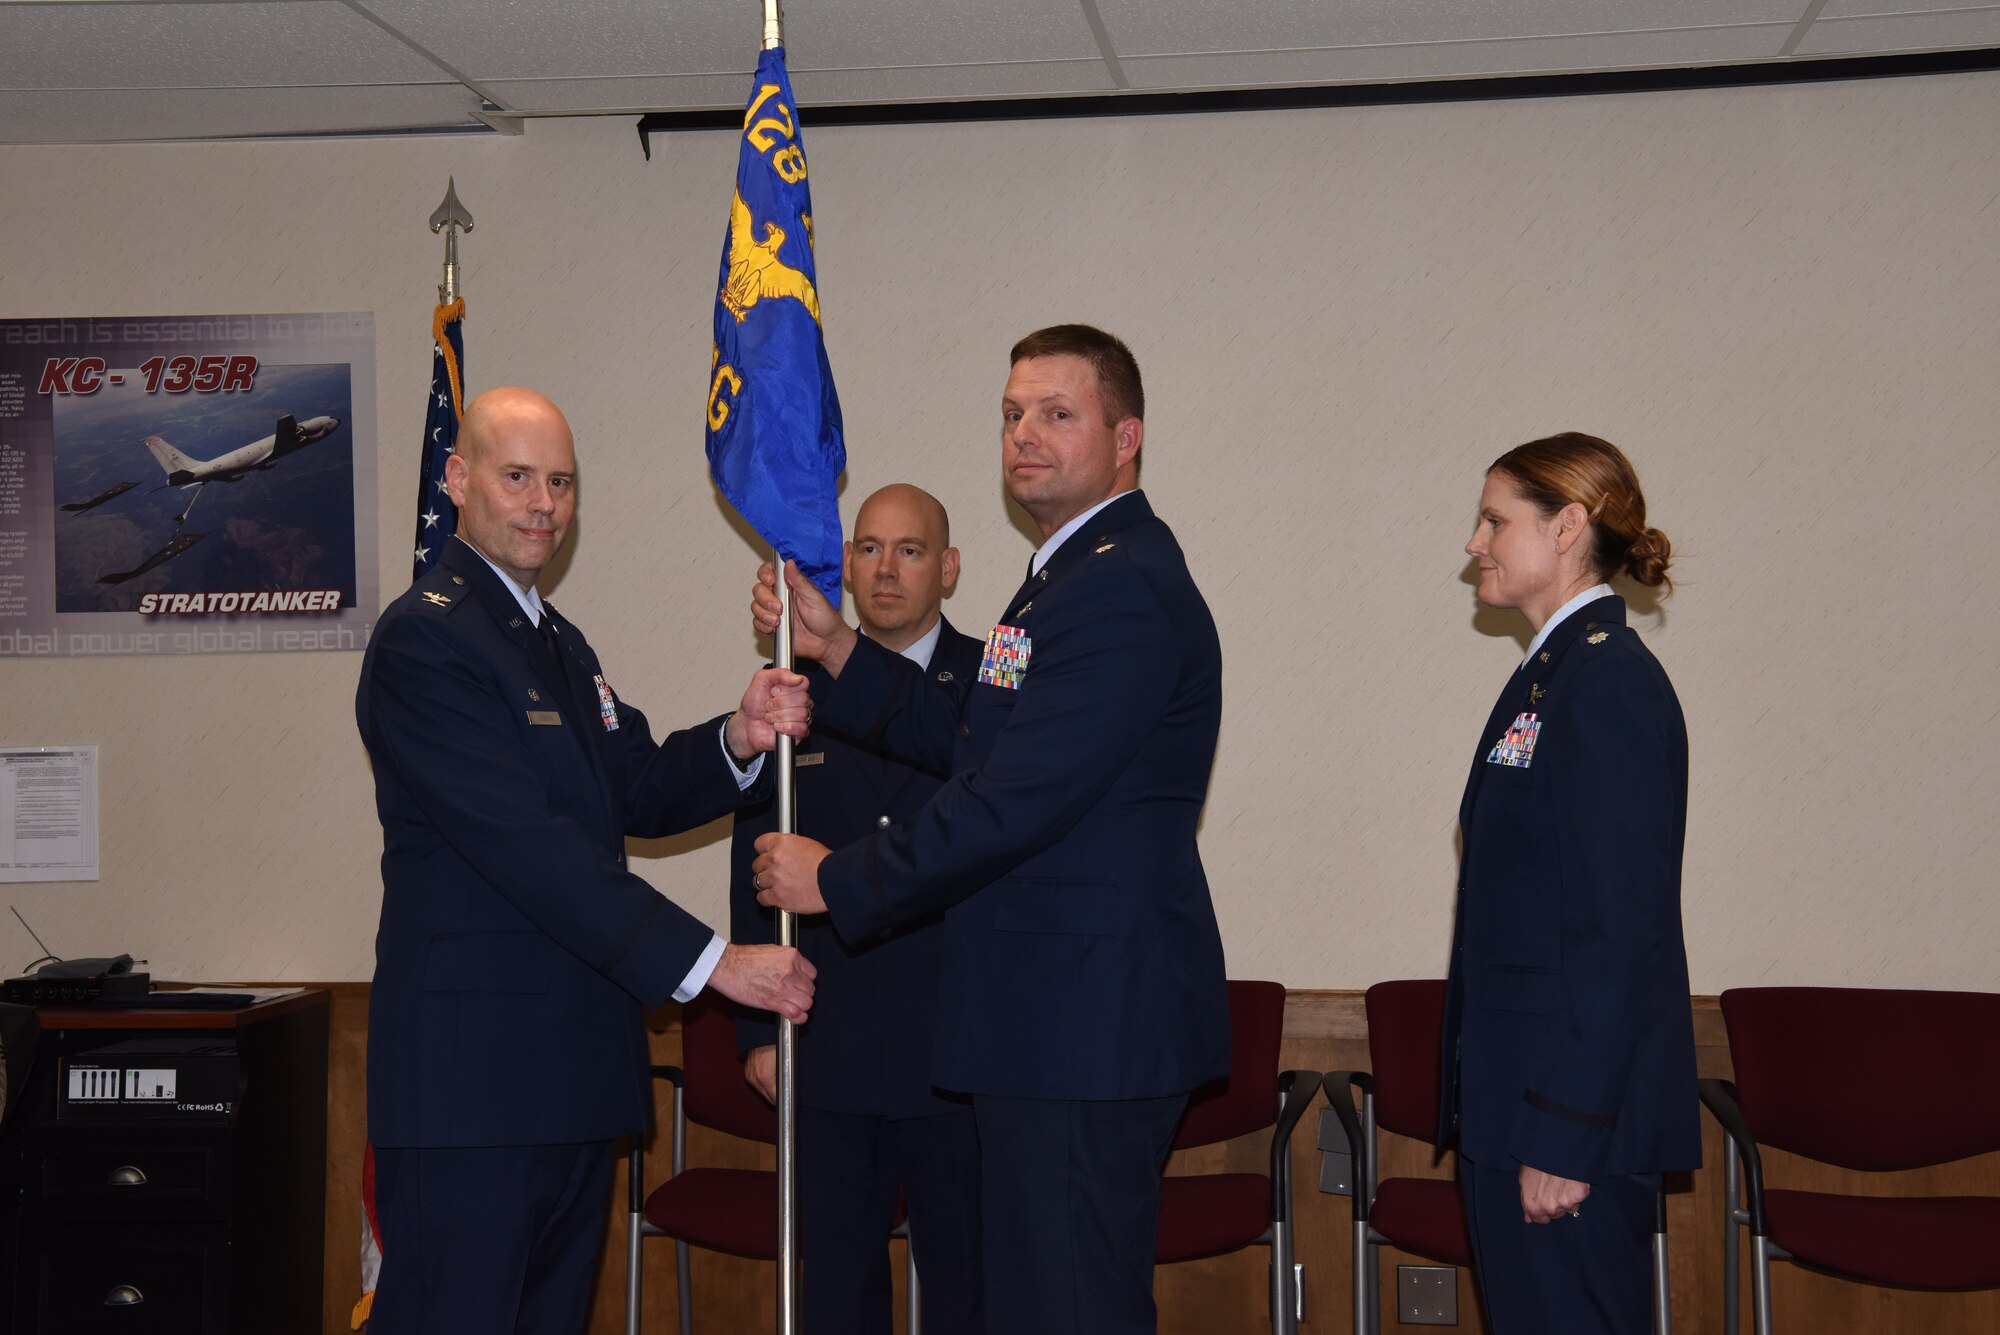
[(437, 517)]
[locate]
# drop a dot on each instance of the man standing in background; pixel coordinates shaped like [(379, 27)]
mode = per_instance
[(1083, 995), (517, 954), (869, 1122)]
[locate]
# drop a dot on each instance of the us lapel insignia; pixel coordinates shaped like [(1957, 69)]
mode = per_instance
[(458, 579), (1598, 638), (945, 675), (436, 599), (1545, 655), (534, 694), (1535, 693)]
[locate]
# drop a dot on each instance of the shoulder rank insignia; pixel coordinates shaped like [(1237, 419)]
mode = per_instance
[(437, 599), (1105, 548), (1598, 638)]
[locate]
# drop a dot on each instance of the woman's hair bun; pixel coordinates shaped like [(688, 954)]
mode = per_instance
[(1648, 560)]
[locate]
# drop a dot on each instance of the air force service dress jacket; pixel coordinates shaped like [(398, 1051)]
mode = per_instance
[(1081, 955), (868, 1047), (517, 954), (1568, 1043)]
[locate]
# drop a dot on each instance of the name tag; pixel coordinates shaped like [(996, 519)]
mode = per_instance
[(544, 718), (1516, 746), (801, 759)]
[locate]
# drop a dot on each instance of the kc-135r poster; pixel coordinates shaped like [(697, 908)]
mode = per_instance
[(187, 484)]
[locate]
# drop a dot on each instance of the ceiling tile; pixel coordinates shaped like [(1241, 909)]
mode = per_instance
[(581, 38), (953, 83), (111, 116), (817, 87), (200, 46), (1157, 27), (1843, 9), (658, 92), (1911, 32), (1447, 60)]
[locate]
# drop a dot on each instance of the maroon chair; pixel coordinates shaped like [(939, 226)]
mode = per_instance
[(732, 1210), (1424, 1215), (1209, 1214), (1800, 1088)]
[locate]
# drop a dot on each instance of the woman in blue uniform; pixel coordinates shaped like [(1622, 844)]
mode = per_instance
[(1568, 1061)]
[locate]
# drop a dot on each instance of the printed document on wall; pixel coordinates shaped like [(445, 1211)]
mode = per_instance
[(48, 813)]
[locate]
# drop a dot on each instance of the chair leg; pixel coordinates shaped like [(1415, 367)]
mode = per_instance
[(632, 1276), (1663, 1310), (684, 1287), (1732, 1240), (1364, 1259), (1760, 1283), (916, 1319), (1280, 1267)]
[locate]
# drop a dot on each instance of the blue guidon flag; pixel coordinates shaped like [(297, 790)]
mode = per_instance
[(437, 517), (775, 447)]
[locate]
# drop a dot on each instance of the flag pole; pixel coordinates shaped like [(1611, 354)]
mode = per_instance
[(788, 1253)]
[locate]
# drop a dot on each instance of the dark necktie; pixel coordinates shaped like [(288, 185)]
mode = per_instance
[(553, 643)]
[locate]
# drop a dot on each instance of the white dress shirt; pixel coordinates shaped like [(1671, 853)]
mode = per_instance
[(1589, 595), (1061, 535)]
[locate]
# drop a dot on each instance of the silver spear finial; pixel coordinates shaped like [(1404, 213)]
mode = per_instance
[(450, 217)]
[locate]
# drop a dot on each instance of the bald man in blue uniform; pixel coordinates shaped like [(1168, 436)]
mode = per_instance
[(1083, 994), (517, 954), (870, 1124)]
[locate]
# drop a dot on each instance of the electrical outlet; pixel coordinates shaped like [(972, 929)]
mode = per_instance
[(1427, 1295)]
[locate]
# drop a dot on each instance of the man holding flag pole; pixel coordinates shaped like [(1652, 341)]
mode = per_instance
[(1082, 993), (775, 451), (517, 952)]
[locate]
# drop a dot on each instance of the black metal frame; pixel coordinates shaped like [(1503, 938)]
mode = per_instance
[(1295, 1095), (638, 1227), (1360, 1130), (1590, 83), (1742, 1206)]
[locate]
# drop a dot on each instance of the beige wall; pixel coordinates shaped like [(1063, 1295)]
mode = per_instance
[(1784, 302)]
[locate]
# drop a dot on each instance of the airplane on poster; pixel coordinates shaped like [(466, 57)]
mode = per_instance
[(291, 436), (165, 554), (78, 507)]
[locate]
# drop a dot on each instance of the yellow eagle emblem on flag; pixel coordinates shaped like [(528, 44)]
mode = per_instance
[(755, 272)]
